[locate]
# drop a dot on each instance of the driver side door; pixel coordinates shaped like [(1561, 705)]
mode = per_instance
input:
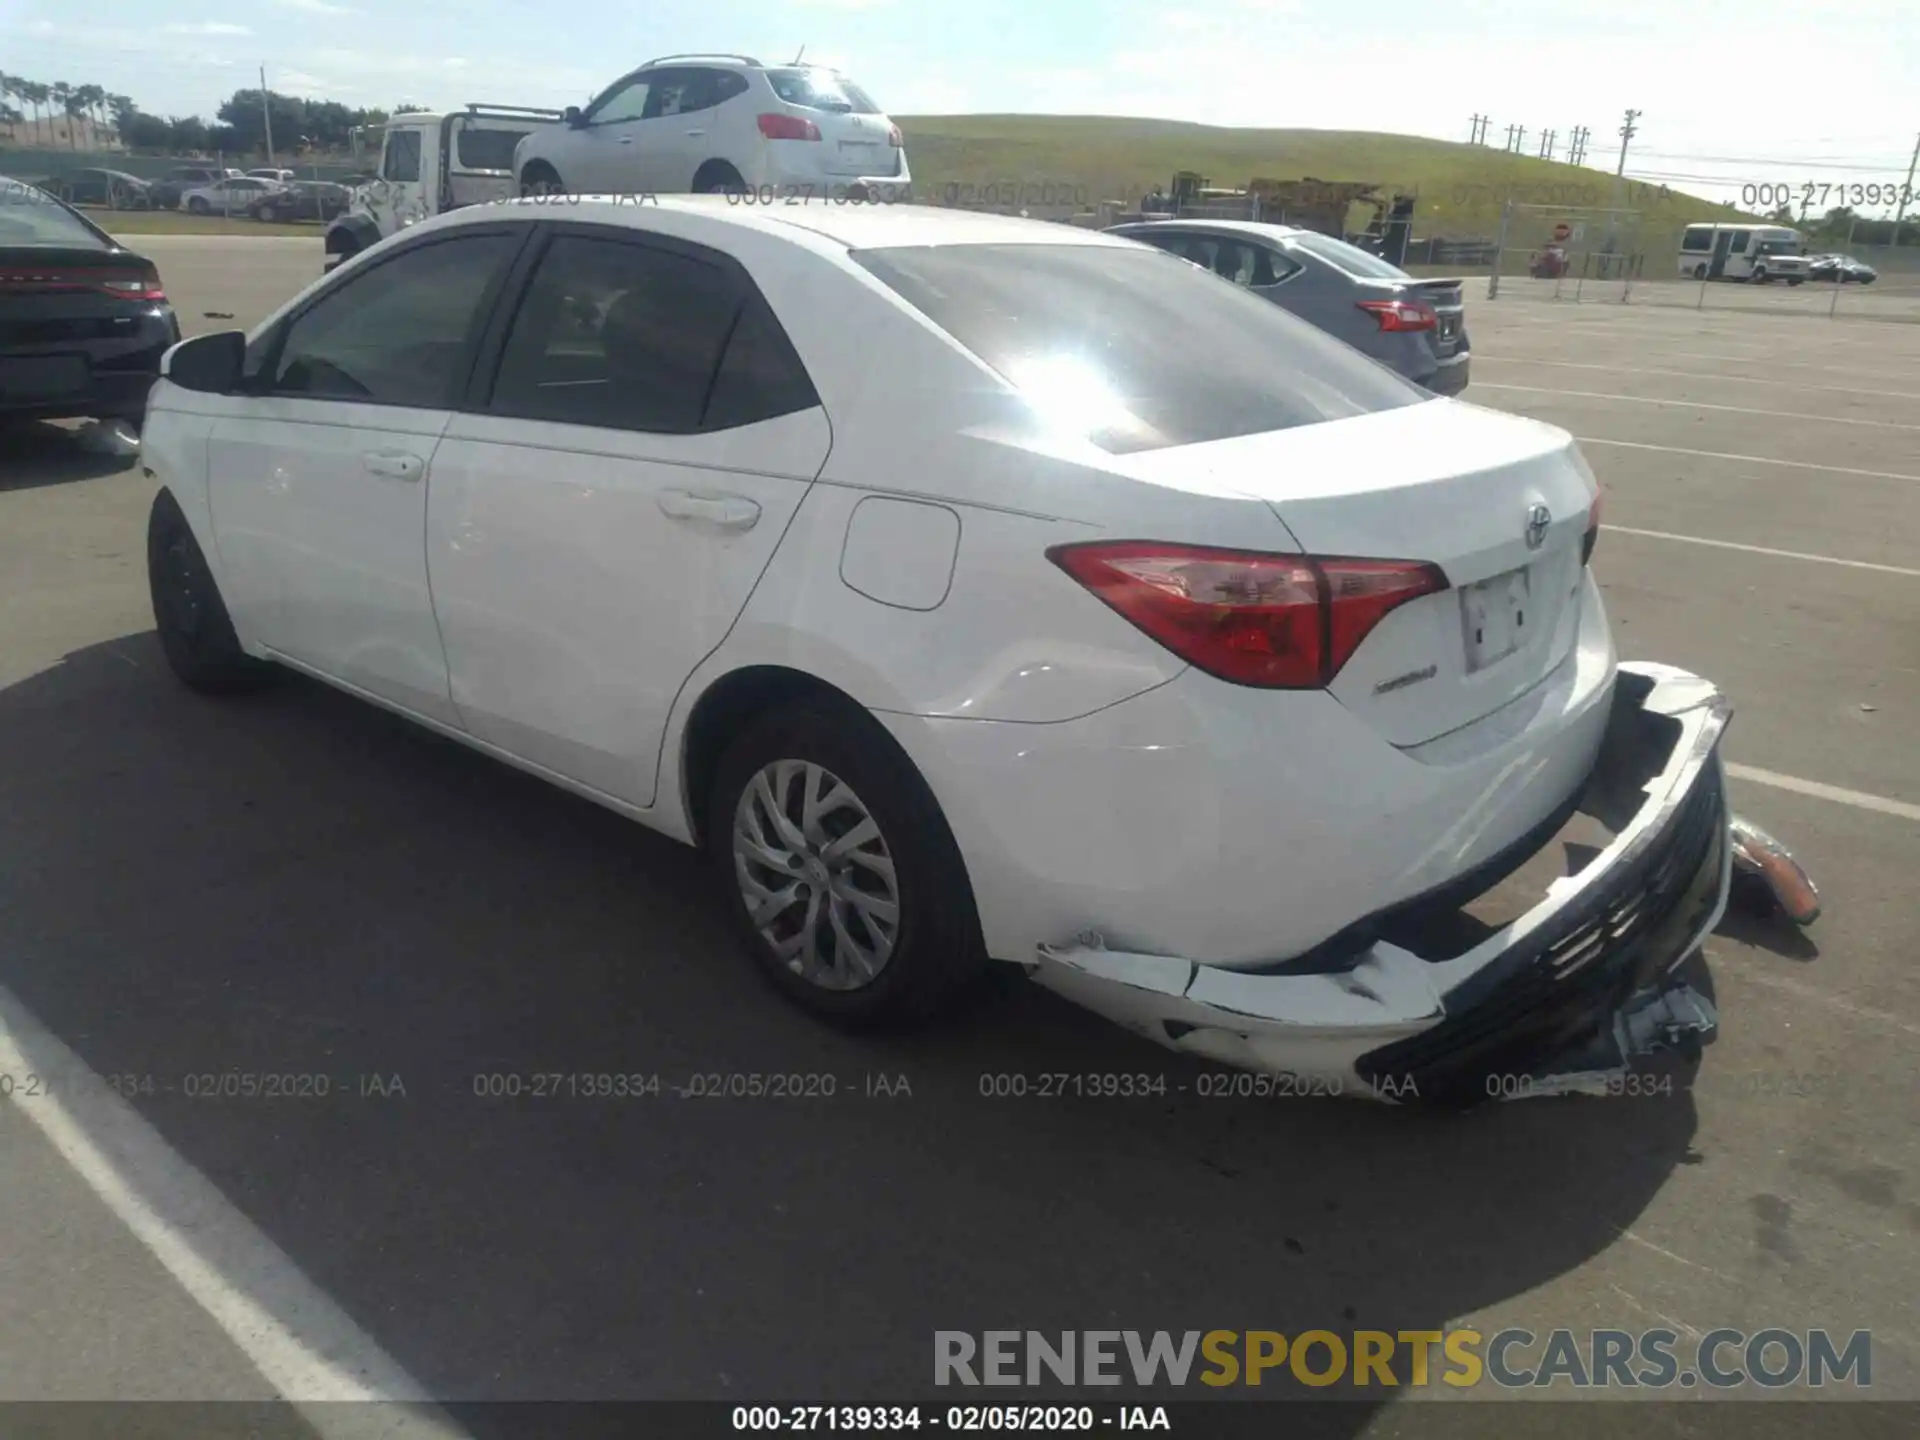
[(317, 477), (601, 154)]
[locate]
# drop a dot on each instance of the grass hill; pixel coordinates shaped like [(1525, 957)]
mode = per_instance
[(1461, 187)]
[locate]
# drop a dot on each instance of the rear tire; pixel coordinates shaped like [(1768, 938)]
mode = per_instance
[(1699, 272), (268, 214), (195, 630), (716, 177), (198, 206), (879, 932)]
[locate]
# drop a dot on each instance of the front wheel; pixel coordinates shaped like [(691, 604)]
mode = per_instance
[(1796, 280), (198, 206), (540, 178), (196, 633), (838, 868), (268, 214)]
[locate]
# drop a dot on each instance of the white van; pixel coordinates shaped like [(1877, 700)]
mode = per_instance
[(1758, 253)]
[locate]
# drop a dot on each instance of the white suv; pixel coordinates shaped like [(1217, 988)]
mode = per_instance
[(714, 123)]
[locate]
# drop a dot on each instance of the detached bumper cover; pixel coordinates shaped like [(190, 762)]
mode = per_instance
[(1567, 994)]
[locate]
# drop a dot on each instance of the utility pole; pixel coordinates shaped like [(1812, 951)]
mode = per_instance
[(1577, 145), (1478, 134), (1510, 131), (1900, 210), (1546, 144), (1627, 132), (1520, 140), (266, 115)]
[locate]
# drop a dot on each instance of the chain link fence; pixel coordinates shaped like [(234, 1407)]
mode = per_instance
[(1559, 252)]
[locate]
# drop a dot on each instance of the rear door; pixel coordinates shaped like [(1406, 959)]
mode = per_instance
[(318, 482), (605, 504)]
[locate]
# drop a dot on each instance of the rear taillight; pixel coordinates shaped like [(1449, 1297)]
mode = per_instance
[(1592, 536), (894, 138), (125, 285), (135, 287), (788, 127), (1402, 314), (1279, 622)]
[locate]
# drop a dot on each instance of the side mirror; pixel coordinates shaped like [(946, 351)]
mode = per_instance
[(573, 117), (210, 364)]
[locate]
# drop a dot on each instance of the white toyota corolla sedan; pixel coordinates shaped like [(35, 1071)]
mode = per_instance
[(973, 589)]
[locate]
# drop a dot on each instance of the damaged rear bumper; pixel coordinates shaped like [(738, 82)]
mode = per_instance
[(1564, 997)]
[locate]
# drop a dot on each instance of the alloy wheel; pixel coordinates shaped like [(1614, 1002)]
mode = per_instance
[(816, 875)]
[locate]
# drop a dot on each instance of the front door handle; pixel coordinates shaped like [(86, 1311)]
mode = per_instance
[(730, 512), (395, 463), (696, 132)]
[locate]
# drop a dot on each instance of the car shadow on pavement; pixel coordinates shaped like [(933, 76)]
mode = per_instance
[(297, 884), (34, 453)]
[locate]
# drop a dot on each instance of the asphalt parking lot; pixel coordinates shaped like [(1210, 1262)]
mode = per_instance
[(302, 885)]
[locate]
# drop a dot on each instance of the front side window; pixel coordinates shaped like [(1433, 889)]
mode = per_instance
[(399, 333), (403, 157), (627, 102), (1132, 350), (625, 336)]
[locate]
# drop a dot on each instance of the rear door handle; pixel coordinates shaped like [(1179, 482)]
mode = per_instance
[(730, 512), (696, 132), (395, 463)]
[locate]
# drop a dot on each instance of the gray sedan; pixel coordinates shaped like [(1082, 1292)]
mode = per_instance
[(1418, 327)]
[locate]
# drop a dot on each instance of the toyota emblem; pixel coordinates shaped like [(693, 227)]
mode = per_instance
[(1538, 519)]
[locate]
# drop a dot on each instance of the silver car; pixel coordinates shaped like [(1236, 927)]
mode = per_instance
[(1417, 327)]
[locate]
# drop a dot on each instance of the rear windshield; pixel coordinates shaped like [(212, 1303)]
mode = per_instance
[(1350, 258), (29, 216), (1133, 348), (821, 90)]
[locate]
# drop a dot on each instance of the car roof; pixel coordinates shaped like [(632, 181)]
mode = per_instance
[(851, 227)]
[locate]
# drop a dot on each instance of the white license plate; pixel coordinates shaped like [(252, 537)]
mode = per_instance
[(1494, 617)]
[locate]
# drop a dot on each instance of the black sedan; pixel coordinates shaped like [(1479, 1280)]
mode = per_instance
[(83, 320), (1841, 270), (301, 200), (110, 189)]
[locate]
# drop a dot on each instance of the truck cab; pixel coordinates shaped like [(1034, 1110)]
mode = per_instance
[(432, 162)]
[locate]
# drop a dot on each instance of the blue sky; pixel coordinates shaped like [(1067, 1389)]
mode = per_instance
[(1826, 94)]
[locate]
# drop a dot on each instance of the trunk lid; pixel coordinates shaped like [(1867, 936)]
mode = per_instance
[(1444, 482), (857, 138), (1447, 297), (51, 296)]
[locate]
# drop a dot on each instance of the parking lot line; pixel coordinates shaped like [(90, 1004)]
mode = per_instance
[(303, 1344), (1762, 550), (1697, 405), (1859, 799), (1629, 366), (1745, 459)]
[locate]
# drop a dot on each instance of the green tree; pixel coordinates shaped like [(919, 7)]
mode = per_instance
[(242, 114), (61, 94), (187, 135)]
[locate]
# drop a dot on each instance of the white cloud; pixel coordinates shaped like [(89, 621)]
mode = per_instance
[(317, 7), (206, 27)]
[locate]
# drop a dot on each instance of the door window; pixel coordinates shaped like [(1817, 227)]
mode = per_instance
[(626, 102), (402, 161), (679, 92), (627, 336), (399, 333)]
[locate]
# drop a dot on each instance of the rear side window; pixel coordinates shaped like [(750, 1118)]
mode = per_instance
[(30, 216), (1133, 349), (821, 90), (626, 336)]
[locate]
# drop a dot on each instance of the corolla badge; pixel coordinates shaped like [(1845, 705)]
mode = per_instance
[(1538, 519)]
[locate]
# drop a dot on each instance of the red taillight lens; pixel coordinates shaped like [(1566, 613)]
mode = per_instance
[(788, 127), (1592, 537), (126, 285), (894, 138), (1402, 314), (1278, 622)]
